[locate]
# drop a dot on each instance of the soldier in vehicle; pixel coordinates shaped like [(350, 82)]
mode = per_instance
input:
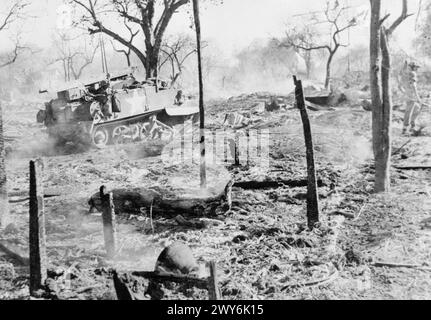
[(103, 95), (179, 98), (413, 102)]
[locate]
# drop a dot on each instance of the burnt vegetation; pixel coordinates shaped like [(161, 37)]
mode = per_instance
[(141, 159)]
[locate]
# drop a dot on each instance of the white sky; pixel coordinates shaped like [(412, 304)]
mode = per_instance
[(233, 24)]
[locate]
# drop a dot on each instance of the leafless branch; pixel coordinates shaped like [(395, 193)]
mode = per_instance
[(14, 13), (404, 15)]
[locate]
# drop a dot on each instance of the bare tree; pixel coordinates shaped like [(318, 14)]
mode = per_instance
[(14, 14), (297, 39), (333, 16), (74, 59), (423, 35), (11, 16), (176, 51), (128, 51), (381, 95), (139, 12)]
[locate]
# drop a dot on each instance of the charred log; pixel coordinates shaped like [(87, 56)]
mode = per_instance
[(258, 185), (164, 204)]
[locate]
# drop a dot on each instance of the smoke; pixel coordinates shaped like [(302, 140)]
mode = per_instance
[(337, 136)]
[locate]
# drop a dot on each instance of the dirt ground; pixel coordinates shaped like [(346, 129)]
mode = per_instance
[(262, 247)]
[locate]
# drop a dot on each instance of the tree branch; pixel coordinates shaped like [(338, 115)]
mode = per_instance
[(13, 14), (404, 15), (15, 53)]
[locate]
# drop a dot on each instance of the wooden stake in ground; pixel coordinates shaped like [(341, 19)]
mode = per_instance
[(237, 150), (312, 194), (4, 205), (108, 216), (203, 173), (213, 290), (38, 259)]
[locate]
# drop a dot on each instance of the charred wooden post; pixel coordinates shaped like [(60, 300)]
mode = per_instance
[(225, 146), (38, 272), (213, 289), (248, 147), (108, 217), (237, 161), (4, 205), (214, 134), (122, 290), (203, 174), (183, 143), (259, 143), (228, 194), (312, 194)]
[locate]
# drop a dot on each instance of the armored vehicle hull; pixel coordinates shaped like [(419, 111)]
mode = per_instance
[(126, 111)]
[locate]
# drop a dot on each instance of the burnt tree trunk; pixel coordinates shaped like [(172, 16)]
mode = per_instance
[(376, 97), (203, 175), (4, 205), (384, 150), (312, 193), (381, 96)]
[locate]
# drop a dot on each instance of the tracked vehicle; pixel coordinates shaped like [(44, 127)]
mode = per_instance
[(116, 110)]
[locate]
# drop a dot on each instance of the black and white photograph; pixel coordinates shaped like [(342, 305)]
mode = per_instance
[(240, 152)]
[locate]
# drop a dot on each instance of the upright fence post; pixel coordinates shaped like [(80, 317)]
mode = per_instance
[(203, 172), (248, 147), (108, 217), (4, 204), (213, 290), (237, 150), (38, 272), (312, 194)]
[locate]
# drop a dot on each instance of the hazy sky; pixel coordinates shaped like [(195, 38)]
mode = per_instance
[(235, 23)]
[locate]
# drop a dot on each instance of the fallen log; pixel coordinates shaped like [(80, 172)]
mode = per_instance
[(15, 256), (319, 99), (164, 202), (401, 148), (314, 107), (23, 193), (122, 289), (397, 265), (257, 185), (163, 278), (125, 293), (418, 167), (46, 196)]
